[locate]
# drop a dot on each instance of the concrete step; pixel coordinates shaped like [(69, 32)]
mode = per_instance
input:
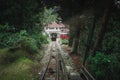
[(50, 79), (75, 76)]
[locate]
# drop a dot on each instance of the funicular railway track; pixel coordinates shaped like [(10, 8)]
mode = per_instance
[(55, 68)]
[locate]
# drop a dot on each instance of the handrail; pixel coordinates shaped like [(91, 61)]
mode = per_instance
[(87, 75)]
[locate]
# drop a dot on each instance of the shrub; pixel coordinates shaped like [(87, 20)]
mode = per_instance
[(40, 38), (105, 67), (28, 44), (64, 41), (8, 57), (8, 36)]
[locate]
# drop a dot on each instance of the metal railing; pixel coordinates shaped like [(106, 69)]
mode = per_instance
[(85, 74)]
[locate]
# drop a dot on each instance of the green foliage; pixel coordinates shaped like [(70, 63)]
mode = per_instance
[(18, 70), (8, 56), (26, 30), (31, 43), (112, 40), (5, 28), (19, 13), (111, 43), (7, 38), (105, 65), (48, 15), (17, 64), (44, 38), (24, 24), (64, 41), (21, 26), (40, 38), (28, 41), (28, 44)]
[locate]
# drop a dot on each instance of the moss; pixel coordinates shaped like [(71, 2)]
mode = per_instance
[(19, 70), (23, 67)]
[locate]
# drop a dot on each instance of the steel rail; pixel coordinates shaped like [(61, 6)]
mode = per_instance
[(65, 77), (57, 68), (43, 76), (60, 67)]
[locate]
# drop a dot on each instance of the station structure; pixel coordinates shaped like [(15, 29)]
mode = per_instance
[(57, 30)]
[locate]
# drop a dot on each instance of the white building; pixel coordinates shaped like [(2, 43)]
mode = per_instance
[(57, 28)]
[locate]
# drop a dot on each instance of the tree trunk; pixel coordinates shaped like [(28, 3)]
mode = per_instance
[(70, 41), (76, 41), (102, 31), (89, 40)]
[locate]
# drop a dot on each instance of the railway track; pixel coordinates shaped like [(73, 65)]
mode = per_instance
[(55, 68)]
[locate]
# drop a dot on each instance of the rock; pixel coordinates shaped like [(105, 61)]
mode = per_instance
[(69, 69), (75, 76)]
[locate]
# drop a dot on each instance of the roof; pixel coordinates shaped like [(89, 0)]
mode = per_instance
[(54, 24)]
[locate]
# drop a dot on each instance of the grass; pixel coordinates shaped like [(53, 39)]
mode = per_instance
[(18, 70), (21, 68)]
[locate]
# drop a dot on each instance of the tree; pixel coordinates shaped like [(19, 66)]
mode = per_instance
[(76, 40), (19, 13), (102, 31), (89, 40), (48, 16)]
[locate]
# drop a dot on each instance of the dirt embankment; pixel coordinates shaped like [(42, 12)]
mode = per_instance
[(75, 57)]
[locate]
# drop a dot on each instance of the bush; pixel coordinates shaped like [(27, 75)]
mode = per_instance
[(7, 37), (40, 38), (28, 44), (105, 67), (64, 41), (28, 41), (8, 56)]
